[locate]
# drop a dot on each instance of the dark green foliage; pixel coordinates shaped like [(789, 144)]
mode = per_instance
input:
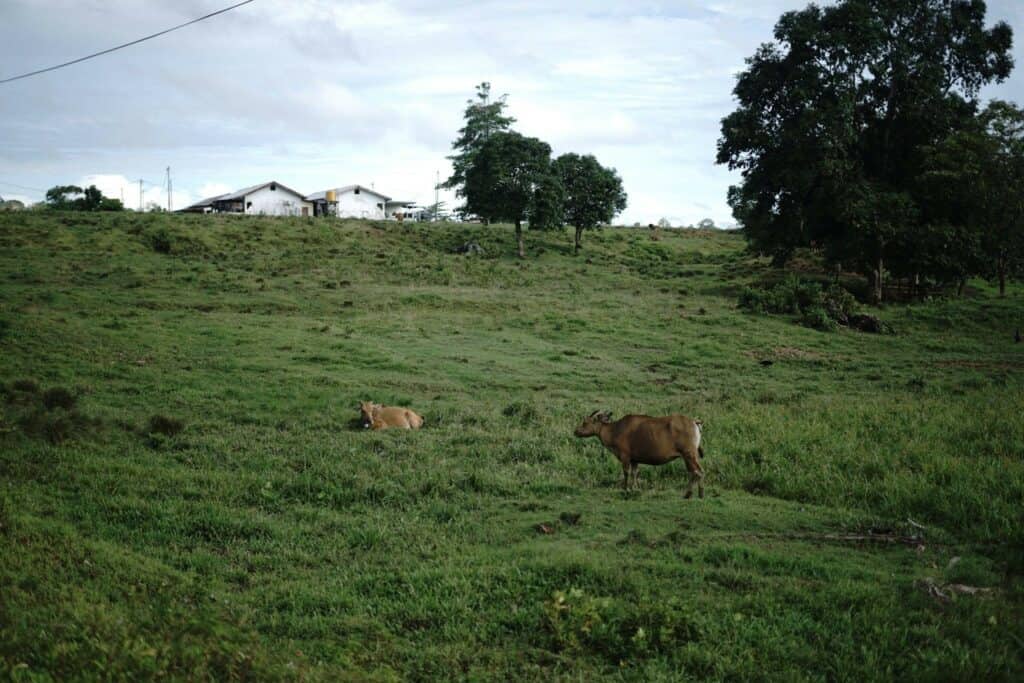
[(483, 118), (27, 386), (833, 119), (160, 241), (511, 179), (816, 317), (91, 199), (791, 296), (971, 189), (593, 194), (523, 411), (818, 308), (57, 427), (58, 397), (164, 425)]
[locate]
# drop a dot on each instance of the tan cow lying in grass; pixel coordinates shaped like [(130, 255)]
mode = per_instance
[(641, 440), (376, 416)]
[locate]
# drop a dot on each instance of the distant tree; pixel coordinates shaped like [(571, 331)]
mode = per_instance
[(61, 197), (834, 114), (154, 207), (706, 224), (483, 117), (437, 212), (512, 178), (58, 197), (664, 223), (593, 194)]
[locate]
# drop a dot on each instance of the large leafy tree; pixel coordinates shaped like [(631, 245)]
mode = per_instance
[(834, 114), (484, 116), (512, 179), (974, 188), (593, 194)]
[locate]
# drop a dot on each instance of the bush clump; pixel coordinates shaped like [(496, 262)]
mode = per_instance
[(164, 425), (526, 412), (25, 386), (160, 241), (58, 397), (820, 308)]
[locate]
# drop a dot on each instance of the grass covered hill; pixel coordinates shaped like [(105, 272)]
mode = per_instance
[(185, 493)]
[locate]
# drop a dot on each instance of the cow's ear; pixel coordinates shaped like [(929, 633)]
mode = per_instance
[(605, 417)]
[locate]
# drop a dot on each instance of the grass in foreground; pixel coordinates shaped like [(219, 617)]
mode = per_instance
[(183, 491)]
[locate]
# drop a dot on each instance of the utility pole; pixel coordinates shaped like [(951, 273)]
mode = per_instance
[(437, 184), (169, 189)]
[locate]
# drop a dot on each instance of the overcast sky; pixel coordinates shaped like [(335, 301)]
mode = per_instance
[(322, 93)]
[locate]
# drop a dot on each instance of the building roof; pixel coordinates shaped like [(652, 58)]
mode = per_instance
[(348, 188), (240, 194)]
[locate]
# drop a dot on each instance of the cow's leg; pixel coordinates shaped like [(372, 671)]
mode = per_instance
[(634, 469), (696, 474), (625, 475)]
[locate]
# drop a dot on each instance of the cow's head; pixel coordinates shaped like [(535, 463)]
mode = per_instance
[(366, 411), (591, 424)]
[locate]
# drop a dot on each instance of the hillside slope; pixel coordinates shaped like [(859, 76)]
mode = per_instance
[(184, 491)]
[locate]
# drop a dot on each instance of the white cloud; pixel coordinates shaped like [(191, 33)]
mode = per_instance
[(213, 189), (120, 187)]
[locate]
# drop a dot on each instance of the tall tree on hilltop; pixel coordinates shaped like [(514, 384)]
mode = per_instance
[(593, 194), (834, 114), (483, 117), (512, 178)]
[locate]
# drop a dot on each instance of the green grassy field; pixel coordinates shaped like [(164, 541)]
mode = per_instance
[(184, 491)]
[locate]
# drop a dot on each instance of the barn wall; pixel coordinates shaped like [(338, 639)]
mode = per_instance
[(279, 202), (362, 205)]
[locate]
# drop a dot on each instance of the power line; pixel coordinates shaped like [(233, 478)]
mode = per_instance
[(120, 47)]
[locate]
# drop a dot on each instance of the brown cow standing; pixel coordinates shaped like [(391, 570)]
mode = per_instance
[(641, 440)]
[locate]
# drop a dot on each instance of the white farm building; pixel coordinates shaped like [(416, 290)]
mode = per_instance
[(358, 201), (267, 199), (275, 199)]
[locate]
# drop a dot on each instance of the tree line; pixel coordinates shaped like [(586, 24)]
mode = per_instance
[(859, 132), (504, 176), (75, 198)]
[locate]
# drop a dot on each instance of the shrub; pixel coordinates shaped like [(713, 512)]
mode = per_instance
[(57, 427), (25, 386), (838, 303), (160, 241), (524, 411), (162, 424), (818, 318), (58, 397), (821, 309), (792, 296)]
